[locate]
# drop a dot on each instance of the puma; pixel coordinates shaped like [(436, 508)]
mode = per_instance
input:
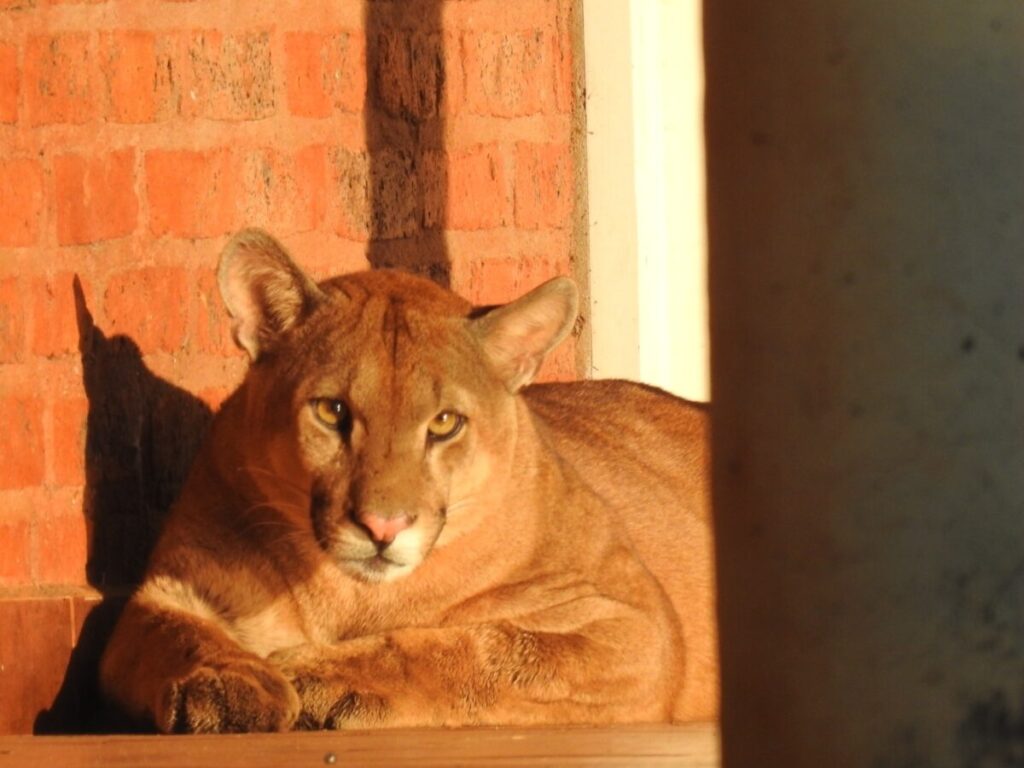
[(386, 526)]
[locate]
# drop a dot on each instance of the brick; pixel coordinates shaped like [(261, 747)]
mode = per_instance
[(409, 74), (90, 604), (55, 329), (10, 83), (21, 201), (21, 450), (62, 546), (227, 77), (169, 86), (394, 194), (12, 320), (286, 192), (500, 279), (544, 186), (453, 97), (214, 397), (15, 550), (35, 648), (70, 426), (562, 50), (213, 327), (130, 300), (378, 194), (477, 196), (128, 68), (433, 177), (325, 73), (493, 281), (351, 179), (95, 197), (192, 194), (508, 74), (60, 79)]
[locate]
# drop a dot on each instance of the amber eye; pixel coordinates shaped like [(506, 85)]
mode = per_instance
[(331, 412), (445, 425)]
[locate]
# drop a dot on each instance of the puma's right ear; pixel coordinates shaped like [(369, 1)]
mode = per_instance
[(517, 336), (263, 289)]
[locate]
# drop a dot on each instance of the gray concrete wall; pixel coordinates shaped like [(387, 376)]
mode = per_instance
[(866, 202)]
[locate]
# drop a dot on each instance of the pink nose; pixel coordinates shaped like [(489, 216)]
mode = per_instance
[(383, 530)]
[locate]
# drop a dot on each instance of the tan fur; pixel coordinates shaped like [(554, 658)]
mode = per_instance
[(521, 590)]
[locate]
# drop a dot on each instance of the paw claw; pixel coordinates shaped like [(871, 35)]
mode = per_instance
[(330, 699), (366, 709)]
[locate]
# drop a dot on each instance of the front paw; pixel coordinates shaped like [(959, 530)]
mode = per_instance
[(234, 697), (331, 695)]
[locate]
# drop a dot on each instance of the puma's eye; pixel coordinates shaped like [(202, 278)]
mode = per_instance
[(445, 425), (330, 412)]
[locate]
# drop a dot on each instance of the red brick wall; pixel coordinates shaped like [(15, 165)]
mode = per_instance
[(135, 136)]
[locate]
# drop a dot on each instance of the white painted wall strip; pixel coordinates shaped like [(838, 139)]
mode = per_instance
[(645, 87)]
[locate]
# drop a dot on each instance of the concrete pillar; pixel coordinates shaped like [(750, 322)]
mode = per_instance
[(866, 203)]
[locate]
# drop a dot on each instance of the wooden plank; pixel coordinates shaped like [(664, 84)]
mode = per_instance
[(691, 746)]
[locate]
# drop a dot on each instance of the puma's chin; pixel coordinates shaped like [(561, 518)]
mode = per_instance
[(377, 568)]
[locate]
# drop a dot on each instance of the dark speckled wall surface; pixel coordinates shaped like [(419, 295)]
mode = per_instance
[(866, 198)]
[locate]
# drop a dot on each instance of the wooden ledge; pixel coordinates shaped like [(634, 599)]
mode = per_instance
[(689, 746)]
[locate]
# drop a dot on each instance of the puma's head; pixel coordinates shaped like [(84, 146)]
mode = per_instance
[(380, 409)]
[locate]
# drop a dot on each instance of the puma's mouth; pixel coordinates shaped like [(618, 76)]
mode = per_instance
[(376, 561), (364, 560)]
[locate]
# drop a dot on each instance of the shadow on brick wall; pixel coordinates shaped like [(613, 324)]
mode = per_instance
[(403, 114), (142, 434)]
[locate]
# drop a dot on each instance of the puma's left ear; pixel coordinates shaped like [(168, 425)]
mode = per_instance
[(263, 289), (516, 337)]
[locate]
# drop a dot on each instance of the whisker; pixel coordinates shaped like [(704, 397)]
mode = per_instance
[(462, 503)]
